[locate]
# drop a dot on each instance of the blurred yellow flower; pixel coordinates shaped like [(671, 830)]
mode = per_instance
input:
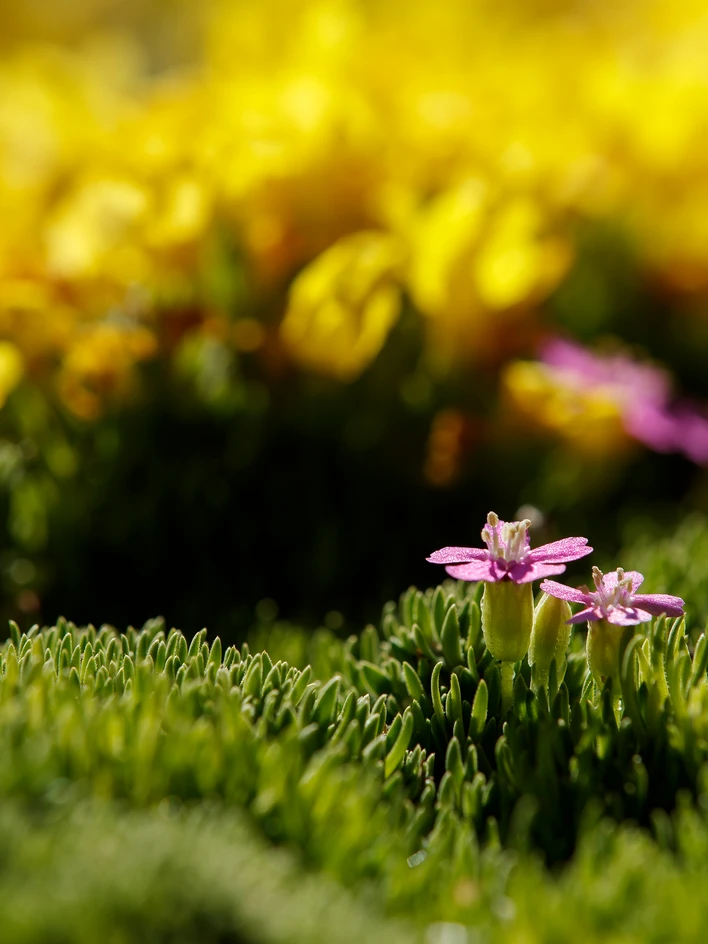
[(92, 232), (373, 148), (589, 419), (11, 369), (36, 320), (100, 366), (343, 305), (478, 257)]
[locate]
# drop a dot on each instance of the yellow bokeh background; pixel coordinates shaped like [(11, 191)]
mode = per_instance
[(359, 155)]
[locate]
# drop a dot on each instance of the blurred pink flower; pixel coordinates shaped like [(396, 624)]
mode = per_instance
[(615, 599), (643, 393), (508, 554)]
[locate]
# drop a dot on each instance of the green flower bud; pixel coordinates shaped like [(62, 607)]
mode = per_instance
[(550, 635), (604, 646), (507, 618)]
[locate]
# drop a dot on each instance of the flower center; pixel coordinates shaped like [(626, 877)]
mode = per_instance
[(506, 541), (606, 597)]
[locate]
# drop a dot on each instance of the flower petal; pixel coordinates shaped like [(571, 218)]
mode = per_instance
[(526, 571), (611, 580), (692, 434), (476, 570), (568, 549), (658, 603), (626, 616), (458, 555), (589, 614), (565, 593), (653, 425)]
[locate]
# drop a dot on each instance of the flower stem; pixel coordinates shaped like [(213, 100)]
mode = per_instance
[(507, 685), (539, 678)]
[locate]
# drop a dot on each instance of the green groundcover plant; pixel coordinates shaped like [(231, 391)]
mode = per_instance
[(410, 786)]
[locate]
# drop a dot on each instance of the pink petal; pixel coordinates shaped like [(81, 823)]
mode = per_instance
[(526, 571), (658, 603), (568, 549), (589, 614), (575, 359), (458, 555), (626, 616), (692, 433), (611, 580), (476, 570), (653, 425), (565, 593)]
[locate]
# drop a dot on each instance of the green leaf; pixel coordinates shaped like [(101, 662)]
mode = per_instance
[(215, 653), (395, 755), (413, 683), (453, 763), (376, 680), (253, 679), (520, 692), (346, 716), (301, 685), (15, 634), (439, 608), (423, 643), (453, 704), (700, 660), (492, 677), (446, 791), (423, 617), (195, 646), (450, 638), (393, 730), (629, 686), (74, 680), (306, 704), (327, 702), (405, 607), (479, 710), (435, 694), (160, 656), (369, 644)]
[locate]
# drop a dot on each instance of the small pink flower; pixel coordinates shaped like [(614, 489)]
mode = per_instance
[(615, 600), (508, 554)]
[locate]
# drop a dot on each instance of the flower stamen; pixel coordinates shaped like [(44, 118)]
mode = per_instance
[(507, 543), (490, 534)]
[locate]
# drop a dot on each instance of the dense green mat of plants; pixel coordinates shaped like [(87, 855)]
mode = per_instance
[(154, 788)]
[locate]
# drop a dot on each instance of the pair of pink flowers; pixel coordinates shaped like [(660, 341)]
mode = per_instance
[(508, 556)]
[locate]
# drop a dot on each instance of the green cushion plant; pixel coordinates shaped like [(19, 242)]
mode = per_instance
[(395, 776)]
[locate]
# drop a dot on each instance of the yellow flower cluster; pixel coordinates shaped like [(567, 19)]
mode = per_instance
[(357, 154)]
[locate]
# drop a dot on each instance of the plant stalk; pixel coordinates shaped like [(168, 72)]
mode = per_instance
[(507, 685)]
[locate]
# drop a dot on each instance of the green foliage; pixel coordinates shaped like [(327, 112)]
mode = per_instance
[(396, 777), (104, 873), (671, 559)]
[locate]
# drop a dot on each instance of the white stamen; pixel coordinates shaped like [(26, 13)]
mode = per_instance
[(490, 534), (606, 597), (510, 545)]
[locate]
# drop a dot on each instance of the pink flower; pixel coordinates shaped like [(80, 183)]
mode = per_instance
[(508, 554), (626, 378), (615, 600), (642, 392)]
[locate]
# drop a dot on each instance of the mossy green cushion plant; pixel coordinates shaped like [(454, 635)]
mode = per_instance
[(397, 776)]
